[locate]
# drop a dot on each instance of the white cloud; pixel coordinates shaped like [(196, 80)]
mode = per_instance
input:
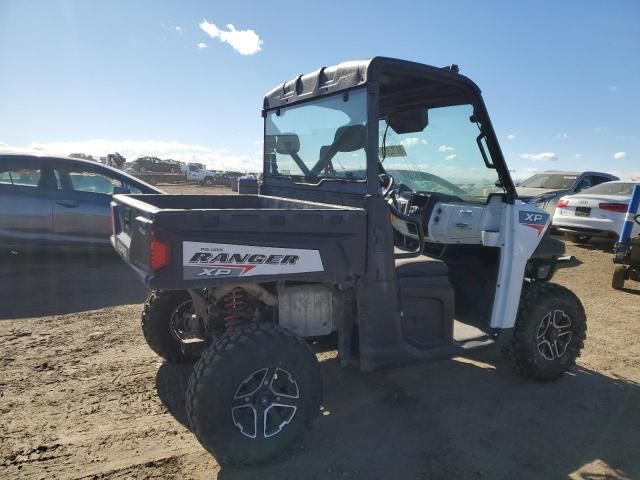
[(619, 155), (511, 136), (201, 45), (540, 157), (445, 148), (577, 155), (245, 42), (213, 158), (411, 141), (613, 88), (451, 157), (179, 29), (562, 136)]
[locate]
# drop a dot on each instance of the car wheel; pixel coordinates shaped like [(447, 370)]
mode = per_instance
[(549, 333), (166, 318), (578, 238), (208, 181), (253, 393)]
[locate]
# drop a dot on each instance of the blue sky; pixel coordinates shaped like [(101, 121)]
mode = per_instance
[(561, 79)]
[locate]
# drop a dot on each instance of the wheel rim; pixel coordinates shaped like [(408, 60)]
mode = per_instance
[(181, 321), (554, 335), (265, 403)]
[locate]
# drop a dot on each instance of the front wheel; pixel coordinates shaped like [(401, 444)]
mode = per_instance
[(208, 181), (549, 333), (253, 393)]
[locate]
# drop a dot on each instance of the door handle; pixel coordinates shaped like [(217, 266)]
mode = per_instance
[(463, 225), (67, 203)]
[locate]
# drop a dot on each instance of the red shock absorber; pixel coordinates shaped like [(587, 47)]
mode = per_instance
[(235, 308)]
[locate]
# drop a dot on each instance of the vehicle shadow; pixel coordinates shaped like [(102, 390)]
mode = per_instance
[(56, 283), (455, 419)]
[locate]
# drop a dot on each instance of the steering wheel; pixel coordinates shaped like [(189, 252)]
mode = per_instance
[(386, 182)]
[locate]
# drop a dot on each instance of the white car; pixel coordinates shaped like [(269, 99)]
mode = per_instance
[(596, 212)]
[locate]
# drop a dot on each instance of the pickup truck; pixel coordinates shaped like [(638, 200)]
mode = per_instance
[(195, 173)]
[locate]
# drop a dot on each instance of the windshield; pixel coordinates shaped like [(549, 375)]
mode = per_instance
[(612, 188), (444, 157), (551, 181), (324, 139)]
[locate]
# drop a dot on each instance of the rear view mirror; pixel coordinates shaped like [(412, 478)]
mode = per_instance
[(287, 144), (120, 190), (409, 121), (350, 138)]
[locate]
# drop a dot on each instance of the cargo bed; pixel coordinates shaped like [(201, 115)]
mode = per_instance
[(197, 241)]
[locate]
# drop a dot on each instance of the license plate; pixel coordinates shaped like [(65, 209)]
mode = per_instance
[(583, 211)]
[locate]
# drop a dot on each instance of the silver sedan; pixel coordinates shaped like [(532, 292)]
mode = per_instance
[(59, 202)]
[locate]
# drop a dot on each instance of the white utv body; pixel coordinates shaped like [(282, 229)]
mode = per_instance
[(387, 215)]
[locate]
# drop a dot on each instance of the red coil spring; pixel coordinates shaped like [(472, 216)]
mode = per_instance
[(235, 308)]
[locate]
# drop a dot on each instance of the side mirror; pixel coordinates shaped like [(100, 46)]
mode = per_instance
[(350, 138), (287, 144)]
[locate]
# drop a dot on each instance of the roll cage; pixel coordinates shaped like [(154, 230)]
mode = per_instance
[(392, 86)]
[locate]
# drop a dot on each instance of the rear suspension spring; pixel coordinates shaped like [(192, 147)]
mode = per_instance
[(236, 308)]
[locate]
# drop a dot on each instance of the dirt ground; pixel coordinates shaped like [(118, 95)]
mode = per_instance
[(81, 395)]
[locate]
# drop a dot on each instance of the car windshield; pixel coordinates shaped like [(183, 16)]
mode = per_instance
[(444, 157), (551, 181), (612, 188), (324, 139)]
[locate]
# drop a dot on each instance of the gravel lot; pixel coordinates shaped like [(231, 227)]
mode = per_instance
[(81, 395)]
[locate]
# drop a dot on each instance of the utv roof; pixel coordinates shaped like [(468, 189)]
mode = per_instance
[(390, 72)]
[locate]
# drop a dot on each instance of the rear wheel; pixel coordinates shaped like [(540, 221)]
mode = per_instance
[(167, 318), (253, 393), (619, 277), (549, 333), (578, 238)]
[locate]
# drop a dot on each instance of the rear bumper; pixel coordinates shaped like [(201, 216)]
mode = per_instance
[(594, 232)]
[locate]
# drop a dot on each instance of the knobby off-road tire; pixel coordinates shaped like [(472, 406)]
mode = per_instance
[(237, 381), (619, 277), (157, 326), (549, 333)]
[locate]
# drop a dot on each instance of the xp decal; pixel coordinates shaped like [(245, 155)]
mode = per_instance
[(210, 260), (535, 220)]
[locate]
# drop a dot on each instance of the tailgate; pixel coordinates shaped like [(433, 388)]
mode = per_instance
[(198, 248)]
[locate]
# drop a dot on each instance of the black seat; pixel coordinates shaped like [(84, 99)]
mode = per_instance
[(421, 266)]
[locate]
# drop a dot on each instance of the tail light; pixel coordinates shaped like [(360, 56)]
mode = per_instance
[(614, 207), (563, 202), (160, 254)]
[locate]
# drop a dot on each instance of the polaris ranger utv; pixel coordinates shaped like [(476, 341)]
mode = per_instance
[(386, 217)]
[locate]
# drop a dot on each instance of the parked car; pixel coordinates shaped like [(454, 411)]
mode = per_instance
[(155, 165), (599, 211), (545, 189), (55, 201)]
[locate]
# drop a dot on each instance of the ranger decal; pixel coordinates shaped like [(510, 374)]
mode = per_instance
[(204, 260)]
